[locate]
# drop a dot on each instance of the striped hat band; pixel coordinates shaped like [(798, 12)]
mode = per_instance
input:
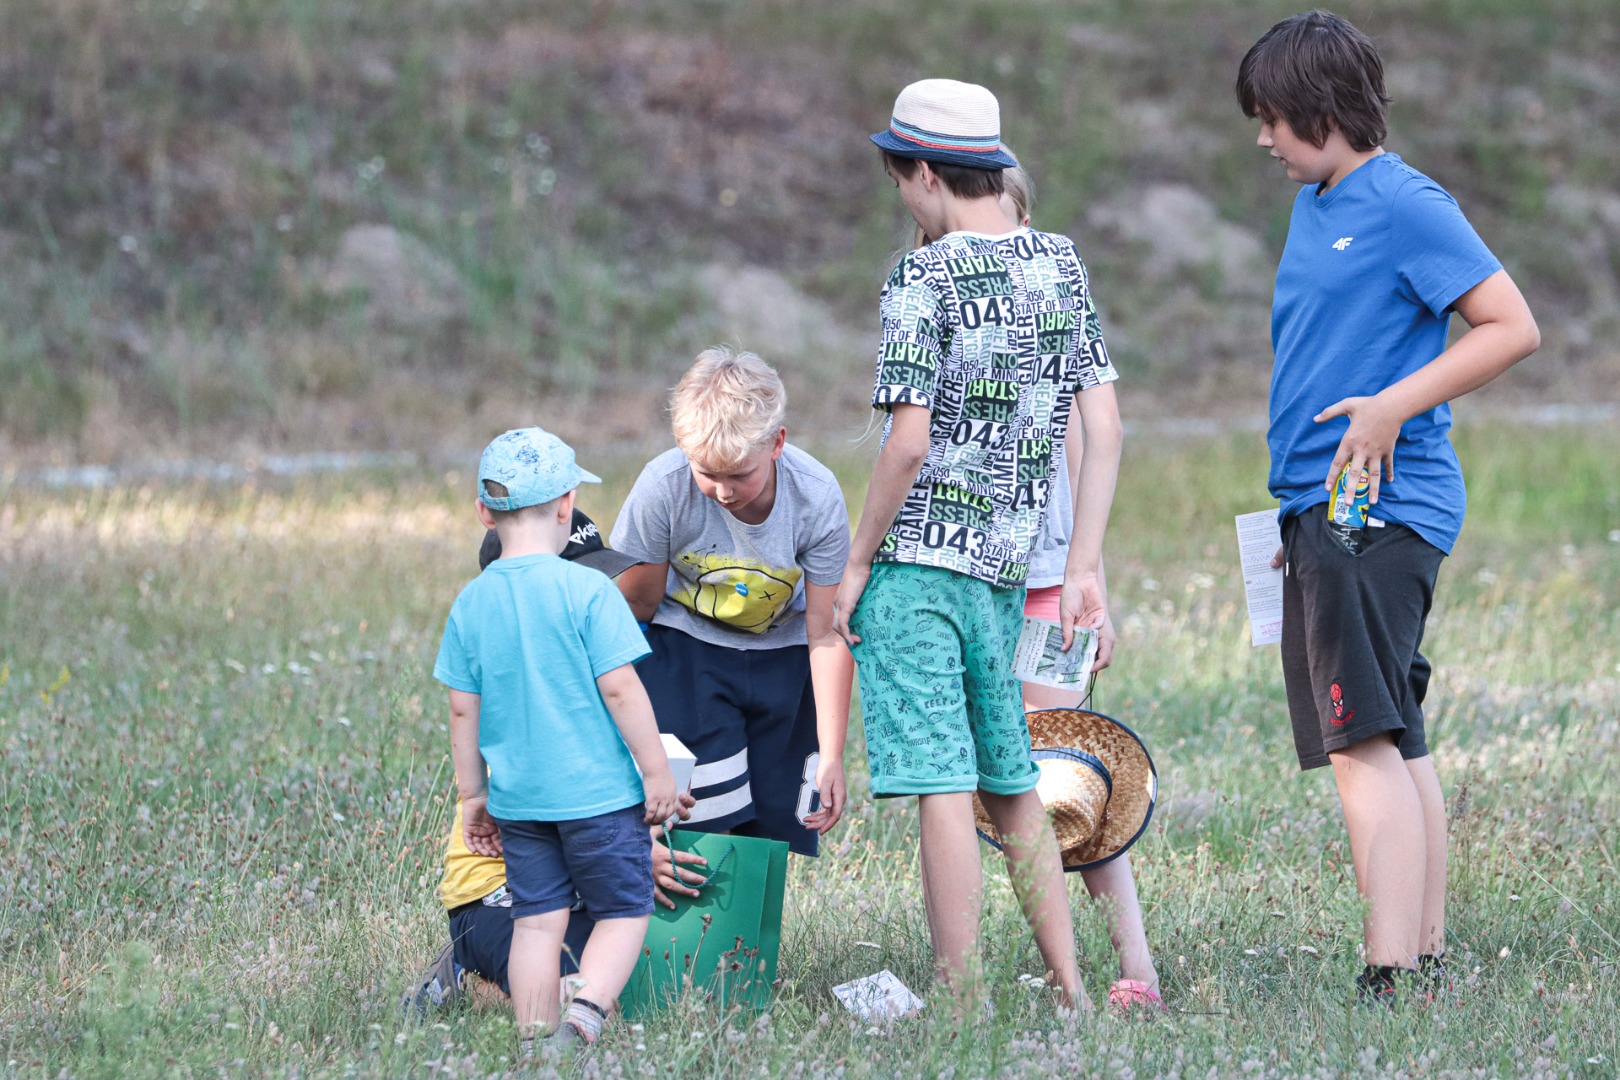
[(943, 120), (938, 140)]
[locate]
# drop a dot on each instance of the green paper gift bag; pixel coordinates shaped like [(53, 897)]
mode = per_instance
[(725, 941)]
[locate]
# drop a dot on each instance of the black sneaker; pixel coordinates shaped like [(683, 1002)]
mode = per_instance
[(1436, 976), (1390, 986), (438, 988)]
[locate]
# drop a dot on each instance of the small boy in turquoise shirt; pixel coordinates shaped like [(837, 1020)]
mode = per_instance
[(549, 726)]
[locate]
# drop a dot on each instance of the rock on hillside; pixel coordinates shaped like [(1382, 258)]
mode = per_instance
[(405, 286)]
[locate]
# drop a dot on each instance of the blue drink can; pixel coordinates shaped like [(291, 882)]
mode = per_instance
[(1348, 507)]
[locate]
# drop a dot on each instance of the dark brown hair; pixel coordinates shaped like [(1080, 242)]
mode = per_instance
[(961, 180), (1316, 72)]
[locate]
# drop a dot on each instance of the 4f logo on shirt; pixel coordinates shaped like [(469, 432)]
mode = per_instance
[(1342, 242)]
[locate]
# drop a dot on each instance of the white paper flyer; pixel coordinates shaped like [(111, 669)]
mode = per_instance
[(1259, 537), (1039, 657), (878, 997)]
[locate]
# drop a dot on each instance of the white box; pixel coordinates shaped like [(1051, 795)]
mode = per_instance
[(681, 762)]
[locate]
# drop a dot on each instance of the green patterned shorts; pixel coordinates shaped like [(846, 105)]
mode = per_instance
[(942, 710)]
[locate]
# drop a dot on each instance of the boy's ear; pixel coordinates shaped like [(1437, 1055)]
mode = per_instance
[(926, 176), (565, 508), (486, 516)]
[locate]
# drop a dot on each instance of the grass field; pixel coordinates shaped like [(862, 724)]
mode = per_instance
[(226, 788)]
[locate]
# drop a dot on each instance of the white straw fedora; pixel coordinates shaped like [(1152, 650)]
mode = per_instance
[(1097, 781), (952, 122)]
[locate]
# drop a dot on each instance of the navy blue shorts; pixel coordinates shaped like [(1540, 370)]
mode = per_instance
[(481, 936), (749, 715), (1352, 628), (605, 859)]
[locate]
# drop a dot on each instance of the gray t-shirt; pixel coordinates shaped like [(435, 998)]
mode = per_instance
[(730, 583), (1051, 551)]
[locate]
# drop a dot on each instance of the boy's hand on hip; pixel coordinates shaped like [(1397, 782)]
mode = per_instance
[(830, 784), (1369, 442), (856, 575), (667, 875), (662, 801), (478, 830)]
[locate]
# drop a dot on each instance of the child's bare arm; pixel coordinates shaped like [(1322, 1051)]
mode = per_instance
[(1502, 331), (632, 713), (1074, 451), (832, 675), (1084, 601), (478, 829), (895, 470), (643, 586)]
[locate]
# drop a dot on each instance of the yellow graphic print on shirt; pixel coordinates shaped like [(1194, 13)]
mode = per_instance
[(745, 594)]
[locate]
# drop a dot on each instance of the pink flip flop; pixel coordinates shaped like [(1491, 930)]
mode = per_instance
[(1129, 997)]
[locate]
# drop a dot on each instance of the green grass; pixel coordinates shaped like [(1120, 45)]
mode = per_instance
[(226, 790)]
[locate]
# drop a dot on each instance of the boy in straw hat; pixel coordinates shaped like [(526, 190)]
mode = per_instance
[(990, 337)]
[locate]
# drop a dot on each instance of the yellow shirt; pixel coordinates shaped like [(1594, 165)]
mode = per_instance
[(467, 876)]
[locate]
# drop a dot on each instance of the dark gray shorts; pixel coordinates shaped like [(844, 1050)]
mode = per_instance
[(606, 860), (1352, 625)]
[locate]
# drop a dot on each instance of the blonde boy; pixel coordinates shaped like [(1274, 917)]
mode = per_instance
[(743, 540)]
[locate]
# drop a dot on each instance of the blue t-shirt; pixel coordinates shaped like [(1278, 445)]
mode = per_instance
[(1363, 298), (530, 635)]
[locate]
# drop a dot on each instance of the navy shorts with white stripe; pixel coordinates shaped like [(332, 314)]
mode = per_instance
[(749, 716)]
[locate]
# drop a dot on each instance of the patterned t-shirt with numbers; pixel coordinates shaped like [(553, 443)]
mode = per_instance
[(993, 335)]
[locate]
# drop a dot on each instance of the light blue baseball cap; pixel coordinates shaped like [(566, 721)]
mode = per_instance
[(534, 466)]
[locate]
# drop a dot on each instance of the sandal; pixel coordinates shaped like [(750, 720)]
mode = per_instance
[(1129, 997)]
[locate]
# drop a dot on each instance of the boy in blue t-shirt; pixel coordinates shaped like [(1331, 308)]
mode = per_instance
[(548, 728), (1378, 257)]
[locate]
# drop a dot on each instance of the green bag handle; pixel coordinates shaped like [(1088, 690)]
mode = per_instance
[(712, 872)]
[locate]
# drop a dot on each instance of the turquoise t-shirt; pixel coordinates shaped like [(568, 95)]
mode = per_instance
[(1363, 299), (530, 636)]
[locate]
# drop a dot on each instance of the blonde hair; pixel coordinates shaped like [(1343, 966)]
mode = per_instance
[(727, 406), (1020, 189)]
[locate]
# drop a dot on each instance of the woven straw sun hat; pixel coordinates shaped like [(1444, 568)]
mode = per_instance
[(952, 122), (1097, 782)]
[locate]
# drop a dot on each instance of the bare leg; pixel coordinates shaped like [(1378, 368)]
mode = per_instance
[(534, 969), (609, 958), (953, 888), (1113, 884), (1432, 931), (1036, 870), (1384, 816)]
